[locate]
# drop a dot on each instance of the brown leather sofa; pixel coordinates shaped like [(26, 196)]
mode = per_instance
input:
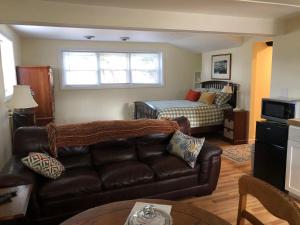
[(106, 172)]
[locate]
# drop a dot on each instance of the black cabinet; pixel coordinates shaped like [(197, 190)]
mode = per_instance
[(270, 153)]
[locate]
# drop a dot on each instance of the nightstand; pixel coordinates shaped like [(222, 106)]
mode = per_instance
[(236, 126)]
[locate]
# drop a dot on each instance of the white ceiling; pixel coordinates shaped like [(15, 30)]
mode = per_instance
[(195, 42), (245, 8)]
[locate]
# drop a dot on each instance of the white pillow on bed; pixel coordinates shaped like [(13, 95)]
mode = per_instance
[(199, 89)]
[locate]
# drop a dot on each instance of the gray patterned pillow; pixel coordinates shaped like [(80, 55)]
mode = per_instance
[(185, 147), (222, 98)]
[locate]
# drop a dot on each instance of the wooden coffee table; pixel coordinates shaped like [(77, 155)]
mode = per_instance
[(116, 214)]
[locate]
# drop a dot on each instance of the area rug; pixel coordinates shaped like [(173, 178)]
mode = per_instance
[(238, 153)]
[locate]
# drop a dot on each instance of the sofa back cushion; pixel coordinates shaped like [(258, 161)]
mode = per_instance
[(113, 151), (152, 145), (74, 157)]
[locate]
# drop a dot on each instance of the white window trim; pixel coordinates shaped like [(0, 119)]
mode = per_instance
[(63, 86), (7, 97)]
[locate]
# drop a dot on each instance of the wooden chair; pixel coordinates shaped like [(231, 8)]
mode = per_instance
[(276, 202)]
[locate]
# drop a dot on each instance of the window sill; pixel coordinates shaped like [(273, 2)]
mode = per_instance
[(110, 86)]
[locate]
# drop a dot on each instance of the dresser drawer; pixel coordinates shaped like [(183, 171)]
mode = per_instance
[(228, 133), (228, 123)]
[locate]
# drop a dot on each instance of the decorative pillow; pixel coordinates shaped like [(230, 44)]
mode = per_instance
[(222, 98), (207, 97), (185, 147), (192, 95), (43, 164), (214, 90)]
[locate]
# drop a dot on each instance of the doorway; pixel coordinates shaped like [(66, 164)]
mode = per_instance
[(260, 82)]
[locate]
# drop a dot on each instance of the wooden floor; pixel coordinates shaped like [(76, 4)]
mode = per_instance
[(224, 200)]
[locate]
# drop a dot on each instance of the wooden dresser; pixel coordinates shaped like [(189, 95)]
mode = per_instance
[(236, 126), (40, 80)]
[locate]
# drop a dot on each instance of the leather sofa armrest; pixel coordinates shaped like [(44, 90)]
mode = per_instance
[(210, 164), (16, 173), (208, 151)]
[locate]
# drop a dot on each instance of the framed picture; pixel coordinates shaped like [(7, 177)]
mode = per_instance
[(221, 67)]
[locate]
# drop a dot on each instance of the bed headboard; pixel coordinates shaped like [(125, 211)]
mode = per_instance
[(218, 84)]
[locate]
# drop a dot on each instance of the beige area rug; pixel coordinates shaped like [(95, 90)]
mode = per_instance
[(238, 153)]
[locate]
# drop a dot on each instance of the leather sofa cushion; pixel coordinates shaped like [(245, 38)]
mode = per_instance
[(70, 151), (75, 161), (113, 151), (126, 173), (73, 183), (152, 145), (168, 166)]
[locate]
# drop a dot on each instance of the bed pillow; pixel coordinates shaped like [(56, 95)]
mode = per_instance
[(192, 95), (222, 98), (44, 165), (207, 97), (214, 90), (185, 147), (199, 89)]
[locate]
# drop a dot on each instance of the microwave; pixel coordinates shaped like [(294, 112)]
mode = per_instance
[(280, 110)]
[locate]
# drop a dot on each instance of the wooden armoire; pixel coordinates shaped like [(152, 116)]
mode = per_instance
[(40, 80)]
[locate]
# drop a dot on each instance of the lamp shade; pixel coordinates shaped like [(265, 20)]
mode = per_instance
[(227, 89), (21, 98)]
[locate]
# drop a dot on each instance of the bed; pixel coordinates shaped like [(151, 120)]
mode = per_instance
[(203, 118)]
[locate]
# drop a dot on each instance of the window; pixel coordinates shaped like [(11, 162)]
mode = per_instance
[(108, 69), (8, 65)]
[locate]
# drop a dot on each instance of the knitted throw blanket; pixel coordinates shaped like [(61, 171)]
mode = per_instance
[(91, 133)]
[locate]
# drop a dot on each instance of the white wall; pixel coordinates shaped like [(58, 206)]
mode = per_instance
[(5, 136), (286, 65), (103, 104), (240, 70)]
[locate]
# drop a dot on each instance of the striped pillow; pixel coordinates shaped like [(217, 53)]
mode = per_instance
[(43, 164)]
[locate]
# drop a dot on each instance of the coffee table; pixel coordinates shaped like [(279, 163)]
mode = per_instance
[(116, 214)]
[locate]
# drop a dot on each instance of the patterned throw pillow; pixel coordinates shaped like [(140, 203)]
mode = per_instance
[(44, 164), (222, 98), (185, 147)]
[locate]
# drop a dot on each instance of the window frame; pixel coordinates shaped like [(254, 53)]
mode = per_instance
[(8, 97), (100, 85)]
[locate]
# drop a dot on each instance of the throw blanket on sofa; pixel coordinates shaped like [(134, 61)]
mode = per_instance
[(99, 131)]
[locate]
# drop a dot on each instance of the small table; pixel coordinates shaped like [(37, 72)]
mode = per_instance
[(17, 207), (116, 214)]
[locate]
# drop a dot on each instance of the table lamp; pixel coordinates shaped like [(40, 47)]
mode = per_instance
[(19, 106), (227, 89)]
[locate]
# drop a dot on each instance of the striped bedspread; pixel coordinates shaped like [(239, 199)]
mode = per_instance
[(199, 114)]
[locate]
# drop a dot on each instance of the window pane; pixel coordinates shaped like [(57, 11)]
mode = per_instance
[(142, 61), (114, 61), (81, 78), (8, 65), (80, 61), (144, 77), (114, 76)]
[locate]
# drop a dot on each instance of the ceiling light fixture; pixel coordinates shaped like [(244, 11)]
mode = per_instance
[(269, 3), (89, 37), (124, 38)]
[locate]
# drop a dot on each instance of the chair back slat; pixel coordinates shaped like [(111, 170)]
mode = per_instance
[(276, 202)]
